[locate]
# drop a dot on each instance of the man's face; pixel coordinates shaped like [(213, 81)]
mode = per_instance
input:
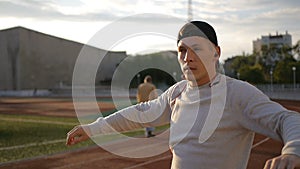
[(197, 57)]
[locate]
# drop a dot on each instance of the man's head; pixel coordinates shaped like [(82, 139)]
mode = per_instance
[(148, 79), (198, 28), (198, 51)]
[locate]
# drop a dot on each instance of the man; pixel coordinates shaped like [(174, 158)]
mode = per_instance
[(147, 91), (213, 117)]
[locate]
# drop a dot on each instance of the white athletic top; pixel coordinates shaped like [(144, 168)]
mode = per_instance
[(212, 126)]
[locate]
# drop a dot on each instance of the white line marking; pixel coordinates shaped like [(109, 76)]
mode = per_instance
[(37, 121), (33, 144), (82, 163), (259, 143), (148, 162)]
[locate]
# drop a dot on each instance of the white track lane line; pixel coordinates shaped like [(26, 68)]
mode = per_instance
[(82, 163), (37, 121), (259, 143), (33, 144), (148, 162)]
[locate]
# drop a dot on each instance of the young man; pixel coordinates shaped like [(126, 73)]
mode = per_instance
[(213, 117), (147, 91)]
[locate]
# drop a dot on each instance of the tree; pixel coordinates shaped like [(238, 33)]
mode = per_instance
[(252, 74), (246, 67), (296, 51), (283, 70), (240, 61)]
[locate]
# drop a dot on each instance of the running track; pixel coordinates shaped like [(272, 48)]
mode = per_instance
[(95, 157)]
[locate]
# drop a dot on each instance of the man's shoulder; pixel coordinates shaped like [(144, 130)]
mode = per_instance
[(178, 87), (180, 84), (240, 87), (235, 82)]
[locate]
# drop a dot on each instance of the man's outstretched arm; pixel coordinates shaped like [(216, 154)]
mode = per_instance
[(78, 134), (266, 117), (153, 113)]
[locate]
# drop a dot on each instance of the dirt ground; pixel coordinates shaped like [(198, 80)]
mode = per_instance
[(96, 157), (59, 107)]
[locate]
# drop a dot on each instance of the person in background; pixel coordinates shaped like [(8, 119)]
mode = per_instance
[(147, 91)]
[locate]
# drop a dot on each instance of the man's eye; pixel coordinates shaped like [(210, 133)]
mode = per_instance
[(196, 49), (182, 49)]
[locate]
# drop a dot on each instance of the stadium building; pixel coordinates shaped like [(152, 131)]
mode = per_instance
[(34, 60)]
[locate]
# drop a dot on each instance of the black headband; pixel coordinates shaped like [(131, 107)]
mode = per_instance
[(198, 28)]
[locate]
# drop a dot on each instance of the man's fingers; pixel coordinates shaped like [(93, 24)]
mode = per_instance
[(268, 164), (71, 135), (76, 135), (73, 129), (80, 139), (274, 164), (283, 162), (70, 139)]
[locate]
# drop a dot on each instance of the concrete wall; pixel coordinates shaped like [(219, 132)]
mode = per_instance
[(31, 59), (45, 61), (9, 55), (108, 65)]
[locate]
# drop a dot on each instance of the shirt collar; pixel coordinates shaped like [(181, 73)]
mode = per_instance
[(216, 80)]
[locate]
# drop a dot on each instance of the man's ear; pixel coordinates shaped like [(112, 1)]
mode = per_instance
[(218, 51)]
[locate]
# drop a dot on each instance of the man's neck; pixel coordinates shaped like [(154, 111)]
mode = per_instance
[(203, 81)]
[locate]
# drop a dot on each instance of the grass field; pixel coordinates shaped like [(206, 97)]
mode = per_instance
[(23, 136), (27, 136)]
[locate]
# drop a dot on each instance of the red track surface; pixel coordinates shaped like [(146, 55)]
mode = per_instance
[(95, 157)]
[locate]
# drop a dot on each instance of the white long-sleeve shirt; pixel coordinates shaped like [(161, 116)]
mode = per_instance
[(212, 126)]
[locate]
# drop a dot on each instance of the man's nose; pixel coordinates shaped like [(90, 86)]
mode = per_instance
[(188, 56)]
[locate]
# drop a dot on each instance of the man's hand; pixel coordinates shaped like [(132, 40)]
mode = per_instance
[(78, 134), (287, 161)]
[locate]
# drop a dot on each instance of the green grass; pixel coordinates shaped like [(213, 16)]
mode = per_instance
[(30, 152), (20, 133), (14, 133), (36, 117), (17, 130)]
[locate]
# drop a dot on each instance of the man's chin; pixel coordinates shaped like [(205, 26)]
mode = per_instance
[(190, 77)]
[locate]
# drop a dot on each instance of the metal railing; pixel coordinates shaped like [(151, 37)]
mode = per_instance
[(279, 87)]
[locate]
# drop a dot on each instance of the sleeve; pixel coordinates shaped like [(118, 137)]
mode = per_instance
[(261, 115), (152, 113)]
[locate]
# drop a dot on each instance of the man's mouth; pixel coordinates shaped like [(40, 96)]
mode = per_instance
[(189, 68)]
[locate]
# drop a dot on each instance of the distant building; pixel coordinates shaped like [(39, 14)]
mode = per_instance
[(272, 47), (278, 40), (34, 60)]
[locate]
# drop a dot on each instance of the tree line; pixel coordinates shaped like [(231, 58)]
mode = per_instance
[(276, 64)]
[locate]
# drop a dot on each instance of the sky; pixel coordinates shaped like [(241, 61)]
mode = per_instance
[(237, 22)]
